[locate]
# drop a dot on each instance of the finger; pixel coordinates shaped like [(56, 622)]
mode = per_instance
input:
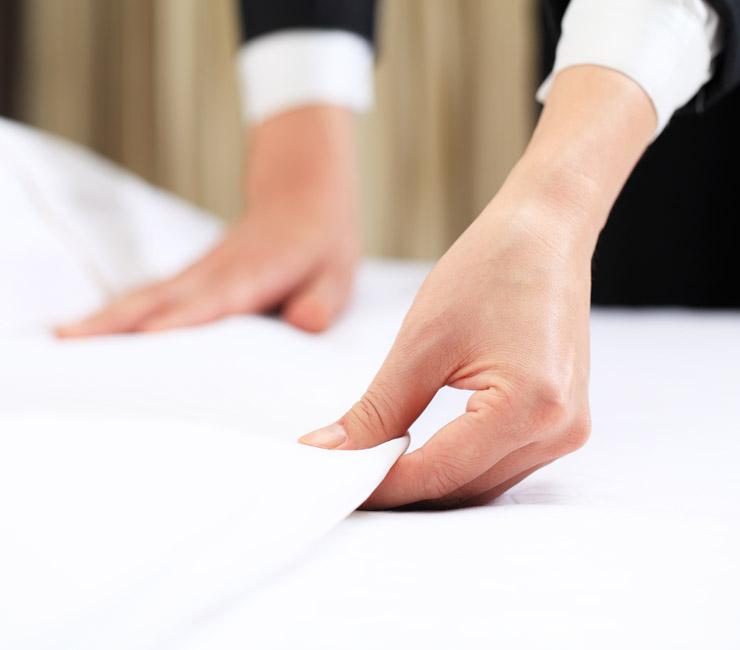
[(122, 315), (405, 384), (317, 305), (498, 489), (214, 295), (478, 500), (520, 463), (457, 454), (507, 472), (189, 311)]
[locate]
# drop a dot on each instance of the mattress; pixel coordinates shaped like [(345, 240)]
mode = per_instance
[(152, 494), (632, 542)]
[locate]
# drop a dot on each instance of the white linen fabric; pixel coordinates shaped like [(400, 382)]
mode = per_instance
[(131, 503), (77, 230), (152, 494), (666, 46), (120, 532), (632, 542)]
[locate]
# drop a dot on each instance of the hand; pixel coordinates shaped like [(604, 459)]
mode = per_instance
[(296, 248), (505, 311)]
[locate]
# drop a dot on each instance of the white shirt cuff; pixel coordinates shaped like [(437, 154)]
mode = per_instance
[(295, 67), (666, 46)]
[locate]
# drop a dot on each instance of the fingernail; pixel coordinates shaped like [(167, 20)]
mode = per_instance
[(329, 437)]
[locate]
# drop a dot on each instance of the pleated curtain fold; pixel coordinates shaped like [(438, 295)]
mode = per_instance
[(151, 84)]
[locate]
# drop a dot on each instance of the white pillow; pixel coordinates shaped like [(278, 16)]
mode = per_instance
[(76, 230)]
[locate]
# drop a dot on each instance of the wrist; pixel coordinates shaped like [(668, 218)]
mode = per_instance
[(553, 204), (592, 131), (302, 153)]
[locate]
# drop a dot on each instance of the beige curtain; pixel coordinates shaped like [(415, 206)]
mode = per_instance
[(151, 84), (148, 83)]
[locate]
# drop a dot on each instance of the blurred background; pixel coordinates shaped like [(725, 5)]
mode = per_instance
[(151, 84)]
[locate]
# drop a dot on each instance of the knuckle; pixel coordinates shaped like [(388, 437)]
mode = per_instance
[(486, 400), (443, 475), (371, 413), (550, 403), (560, 417), (576, 435), (503, 413), (548, 411)]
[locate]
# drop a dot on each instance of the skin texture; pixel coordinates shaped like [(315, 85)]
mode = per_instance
[(505, 311), (295, 249)]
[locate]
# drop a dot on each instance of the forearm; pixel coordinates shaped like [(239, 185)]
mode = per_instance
[(306, 151), (594, 128)]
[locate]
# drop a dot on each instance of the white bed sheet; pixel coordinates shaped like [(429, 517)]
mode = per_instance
[(634, 541), (631, 542), (144, 481), (123, 533)]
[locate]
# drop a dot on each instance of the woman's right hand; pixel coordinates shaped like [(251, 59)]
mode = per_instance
[(295, 249)]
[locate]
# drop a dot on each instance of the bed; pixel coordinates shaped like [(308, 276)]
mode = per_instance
[(152, 494)]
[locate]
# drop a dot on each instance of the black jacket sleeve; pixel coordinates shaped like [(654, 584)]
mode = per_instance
[(261, 17), (727, 66)]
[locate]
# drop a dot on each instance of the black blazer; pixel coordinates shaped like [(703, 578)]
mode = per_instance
[(264, 16), (673, 237)]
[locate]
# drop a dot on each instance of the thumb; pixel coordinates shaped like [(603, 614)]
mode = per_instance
[(400, 392)]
